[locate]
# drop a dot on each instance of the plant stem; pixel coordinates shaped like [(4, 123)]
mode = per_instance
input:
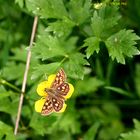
[(4, 82), (63, 60), (25, 75)]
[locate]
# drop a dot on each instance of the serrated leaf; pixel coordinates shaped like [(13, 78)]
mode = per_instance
[(61, 27), (48, 46), (103, 20), (132, 135), (97, 24), (92, 44), (47, 8), (121, 44), (78, 8), (44, 69), (74, 65)]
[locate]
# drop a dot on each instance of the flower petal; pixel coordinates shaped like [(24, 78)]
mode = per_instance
[(51, 78), (45, 84), (70, 91), (39, 105), (63, 109), (41, 88)]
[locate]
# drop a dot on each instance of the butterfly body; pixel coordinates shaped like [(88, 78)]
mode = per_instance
[(53, 93)]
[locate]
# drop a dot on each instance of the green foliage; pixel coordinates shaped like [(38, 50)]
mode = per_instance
[(93, 45), (119, 44), (103, 20), (122, 44), (90, 41), (47, 9), (6, 131), (91, 133), (78, 8), (137, 79), (92, 85), (135, 135), (50, 47)]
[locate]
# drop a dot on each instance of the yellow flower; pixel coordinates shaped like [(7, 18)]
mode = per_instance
[(41, 90)]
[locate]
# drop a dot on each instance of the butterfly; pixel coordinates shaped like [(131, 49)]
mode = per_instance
[(55, 99)]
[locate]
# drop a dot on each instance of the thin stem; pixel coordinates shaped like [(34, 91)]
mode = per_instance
[(25, 75), (63, 60), (4, 82)]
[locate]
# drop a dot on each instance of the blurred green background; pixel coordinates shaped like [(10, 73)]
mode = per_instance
[(97, 44)]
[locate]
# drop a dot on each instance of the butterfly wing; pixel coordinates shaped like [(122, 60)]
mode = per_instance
[(63, 89), (57, 103), (59, 83), (48, 106), (59, 79)]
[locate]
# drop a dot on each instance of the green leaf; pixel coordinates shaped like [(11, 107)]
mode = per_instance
[(6, 104), (3, 34), (97, 24), (10, 69), (61, 136), (103, 20), (6, 130), (92, 44), (20, 3), (44, 69), (80, 10), (92, 131), (68, 118), (3, 92), (74, 65), (20, 54), (137, 79), (121, 44), (61, 27), (119, 90), (92, 85), (134, 134), (67, 121), (47, 8), (111, 130), (9, 72), (48, 46), (42, 125)]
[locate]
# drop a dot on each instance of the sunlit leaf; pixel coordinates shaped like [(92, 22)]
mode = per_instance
[(122, 44), (92, 44)]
